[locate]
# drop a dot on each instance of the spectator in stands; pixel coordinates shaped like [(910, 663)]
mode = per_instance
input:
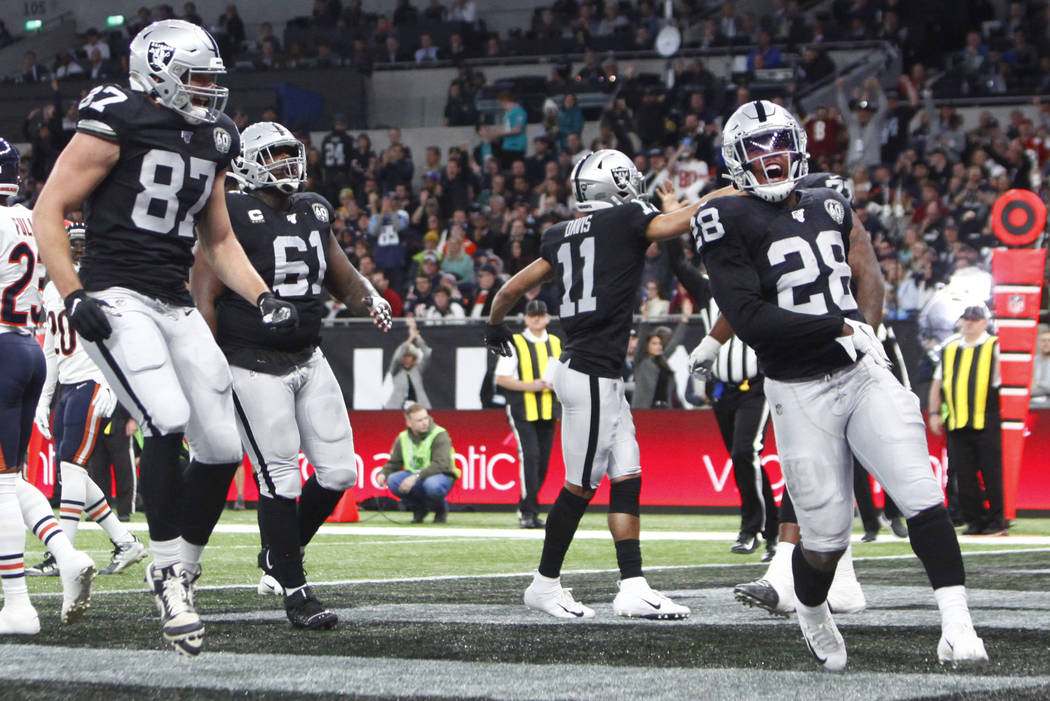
[(266, 36), (463, 11), (426, 51), (407, 366), (864, 123), (653, 305), (94, 41), (570, 119), (459, 110), (421, 469), (766, 51), (229, 33), (337, 149), (142, 19), (511, 132), (455, 191), (457, 50), (268, 58), (815, 65), (325, 58), (456, 261), (489, 283), (728, 23), (382, 284), (444, 307), (386, 225), (1041, 370), (435, 12), (66, 67), (360, 58), (405, 14), (612, 21), (189, 13), (394, 168), (33, 72), (654, 384), (420, 297)]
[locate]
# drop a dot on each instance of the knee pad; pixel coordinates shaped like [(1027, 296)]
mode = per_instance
[(337, 479), (624, 496)]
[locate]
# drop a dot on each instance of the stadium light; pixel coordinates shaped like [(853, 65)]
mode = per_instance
[(34, 24), (114, 21)]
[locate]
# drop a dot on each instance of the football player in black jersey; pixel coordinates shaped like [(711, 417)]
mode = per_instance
[(784, 264), (149, 163), (285, 394), (597, 261)]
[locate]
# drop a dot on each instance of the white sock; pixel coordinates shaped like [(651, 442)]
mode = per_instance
[(165, 552), (38, 517), (72, 506), (779, 572), (12, 543), (952, 603), (545, 582), (97, 509), (190, 554), (844, 573)]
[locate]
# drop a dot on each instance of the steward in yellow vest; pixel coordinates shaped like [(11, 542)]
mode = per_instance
[(422, 467)]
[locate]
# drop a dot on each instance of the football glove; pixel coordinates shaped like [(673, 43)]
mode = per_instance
[(86, 316), (498, 339), (277, 314), (380, 310), (104, 401), (702, 359), (43, 420), (864, 341)]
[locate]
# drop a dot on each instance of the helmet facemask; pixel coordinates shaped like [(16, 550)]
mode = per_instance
[(195, 101), (777, 155), (280, 165)]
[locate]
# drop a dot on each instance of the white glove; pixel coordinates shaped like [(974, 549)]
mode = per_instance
[(864, 341), (380, 311), (43, 419), (703, 357), (104, 401)]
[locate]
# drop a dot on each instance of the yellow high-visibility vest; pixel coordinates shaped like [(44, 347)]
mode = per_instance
[(532, 364), (967, 382)]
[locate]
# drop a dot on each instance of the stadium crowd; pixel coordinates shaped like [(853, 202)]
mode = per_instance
[(438, 231)]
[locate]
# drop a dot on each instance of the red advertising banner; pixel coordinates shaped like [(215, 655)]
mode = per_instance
[(683, 459)]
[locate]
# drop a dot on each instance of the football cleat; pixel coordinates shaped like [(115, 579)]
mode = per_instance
[(180, 623), (637, 600), (960, 645), (548, 595), (746, 543), (762, 594), (76, 586), (125, 555), (825, 642), (306, 612), (190, 575), (46, 568), (845, 595), (269, 585), (19, 620)]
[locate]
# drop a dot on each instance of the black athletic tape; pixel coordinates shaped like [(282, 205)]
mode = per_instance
[(624, 496)]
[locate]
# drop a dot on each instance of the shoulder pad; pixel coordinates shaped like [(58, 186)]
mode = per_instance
[(828, 180), (106, 110), (320, 207)]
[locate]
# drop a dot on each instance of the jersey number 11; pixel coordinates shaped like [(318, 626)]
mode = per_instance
[(577, 274)]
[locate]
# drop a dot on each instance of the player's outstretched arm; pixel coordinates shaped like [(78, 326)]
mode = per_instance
[(675, 223), (222, 249), (83, 164), (867, 275), (346, 283), (205, 288), (497, 335)]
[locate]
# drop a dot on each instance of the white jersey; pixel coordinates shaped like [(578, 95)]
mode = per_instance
[(21, 272), (690, 177), (62, 344)]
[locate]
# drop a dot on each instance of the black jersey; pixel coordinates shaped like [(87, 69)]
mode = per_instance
[(781, 276), (598, 260), (140, 219), (289, 250), (829, 180)]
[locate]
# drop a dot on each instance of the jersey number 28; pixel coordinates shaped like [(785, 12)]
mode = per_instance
[(806, 271)]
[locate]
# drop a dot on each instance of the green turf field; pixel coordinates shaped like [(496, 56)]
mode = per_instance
[(435, 611)]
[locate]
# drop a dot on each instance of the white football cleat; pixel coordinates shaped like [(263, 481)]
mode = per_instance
[(637, 599), (824, 641), (19, 619), (180, 624), (125, 555), (76, 586), (547, 595), (269, 585), (846, 596), (960, 645)]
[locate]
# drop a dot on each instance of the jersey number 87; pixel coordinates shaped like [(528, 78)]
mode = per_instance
[(157, 205)]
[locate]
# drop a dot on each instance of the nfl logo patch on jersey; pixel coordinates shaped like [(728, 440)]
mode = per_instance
[(799, 215), (256, 216), (321, 212), (159, 55), (222, 140), (835, 210), (292, 218), (187, 136)]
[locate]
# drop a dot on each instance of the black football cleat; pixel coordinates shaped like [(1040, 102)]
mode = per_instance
[(306, 612)]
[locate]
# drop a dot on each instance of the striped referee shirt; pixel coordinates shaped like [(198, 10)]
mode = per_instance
[(736, 360)]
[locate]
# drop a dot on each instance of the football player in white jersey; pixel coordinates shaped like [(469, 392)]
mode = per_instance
[(21, 277), (85, 401)]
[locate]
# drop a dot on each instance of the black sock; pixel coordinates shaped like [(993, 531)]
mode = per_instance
[(315, 505), (206, 490), (160, 483), (278, 523), (811, 584), (933, 540), (629, 558), (562, 522)]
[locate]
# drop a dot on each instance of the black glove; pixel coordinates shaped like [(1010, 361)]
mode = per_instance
[(498, 338), (86, 316), (277, 314)]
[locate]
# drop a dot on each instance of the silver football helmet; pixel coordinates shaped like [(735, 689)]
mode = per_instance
[(164, 60), (753, 134), (259, 166), (603, 179)]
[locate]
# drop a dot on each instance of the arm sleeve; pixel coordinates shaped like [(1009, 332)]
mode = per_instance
[(756, 322)]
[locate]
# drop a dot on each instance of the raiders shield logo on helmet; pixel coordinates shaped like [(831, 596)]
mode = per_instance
[(321, 212), (835, 210), (621, 177), (222, 140), (159, 55)]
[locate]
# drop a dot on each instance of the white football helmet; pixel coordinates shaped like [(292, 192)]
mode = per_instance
[(164, 59), (258, 166), (603, 179), (756, 131)]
